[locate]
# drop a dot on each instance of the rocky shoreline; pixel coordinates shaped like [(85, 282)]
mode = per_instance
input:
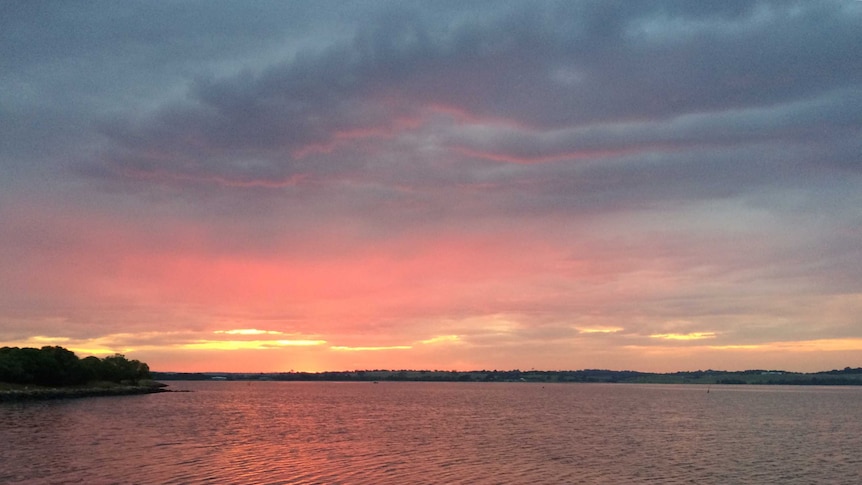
[(39, 394)]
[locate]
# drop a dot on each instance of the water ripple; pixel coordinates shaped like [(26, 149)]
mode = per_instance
[(431, 433)]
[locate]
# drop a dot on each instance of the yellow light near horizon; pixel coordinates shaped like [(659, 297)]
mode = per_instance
[(42, 340), (248, 331), (736, 347), (95, 351), (248, 344), (600, 330), (828, 345), (297, 343), (684, 336), (343, 348), (441, 339), (85, 347), (81, 347), (821, 345)]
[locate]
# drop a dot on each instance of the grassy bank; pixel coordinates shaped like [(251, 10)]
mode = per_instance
[(13, 393)]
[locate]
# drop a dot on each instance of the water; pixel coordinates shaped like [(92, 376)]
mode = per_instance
[(362, 433)]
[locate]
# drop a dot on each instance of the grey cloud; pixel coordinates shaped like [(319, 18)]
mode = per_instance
[(739, 58), (689, 102), (836, 114), (66, 69)]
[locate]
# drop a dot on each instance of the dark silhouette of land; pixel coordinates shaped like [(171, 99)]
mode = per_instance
[(54, 372), (846, 376)]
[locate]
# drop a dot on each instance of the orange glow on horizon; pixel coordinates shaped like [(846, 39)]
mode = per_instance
[(344, 348), (600, 329), (314, 355), (789, 347), (819, 345), (684, 336), (248, 344), (249, 331), (441, 339)]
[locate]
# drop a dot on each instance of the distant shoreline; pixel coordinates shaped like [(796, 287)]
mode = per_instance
[(844, 377)]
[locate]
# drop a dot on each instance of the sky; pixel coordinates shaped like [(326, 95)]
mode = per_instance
[(331, 185)]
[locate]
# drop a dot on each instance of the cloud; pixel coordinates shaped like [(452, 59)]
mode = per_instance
[(254, 127), (522, 180), (442, 339), (248, 331), (342, 348), (684, 336)]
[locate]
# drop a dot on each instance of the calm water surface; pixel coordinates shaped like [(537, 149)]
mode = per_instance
[(399, 433)]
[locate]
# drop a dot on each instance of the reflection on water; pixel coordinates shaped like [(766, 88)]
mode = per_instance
[(356, 433)]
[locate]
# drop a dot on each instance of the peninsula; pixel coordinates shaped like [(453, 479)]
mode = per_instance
[(55, 372)]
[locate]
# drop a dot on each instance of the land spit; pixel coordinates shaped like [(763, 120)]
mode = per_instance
[(44, 393)]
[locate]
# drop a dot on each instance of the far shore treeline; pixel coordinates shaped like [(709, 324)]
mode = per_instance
[(57, 366), (846, 376)]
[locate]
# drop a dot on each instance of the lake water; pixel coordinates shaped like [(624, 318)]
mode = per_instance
[(405, 433)]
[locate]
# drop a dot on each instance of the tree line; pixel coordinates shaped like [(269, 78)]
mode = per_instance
[(57, 366), (848, 376)]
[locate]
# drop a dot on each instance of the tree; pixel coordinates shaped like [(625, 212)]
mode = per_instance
[(117, 368), (63, 366), (91, 368), (12, 366), (57, 366)]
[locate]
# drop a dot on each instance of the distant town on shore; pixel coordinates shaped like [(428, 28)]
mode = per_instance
[(846, 376)]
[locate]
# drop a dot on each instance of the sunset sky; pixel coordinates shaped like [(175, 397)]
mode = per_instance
[(332, 185)]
